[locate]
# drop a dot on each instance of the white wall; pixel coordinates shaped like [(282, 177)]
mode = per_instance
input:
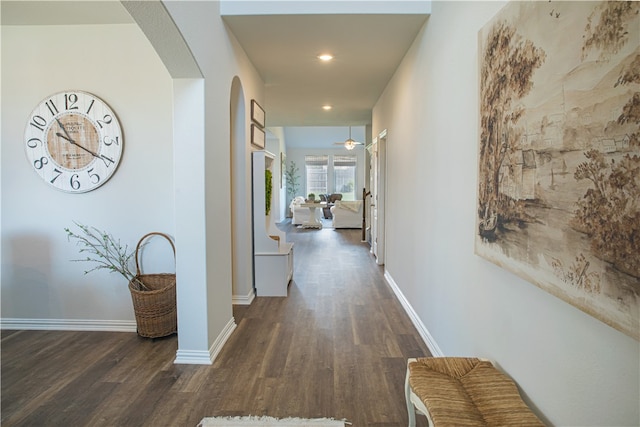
[(220, 59), (322, 136), (572, 368), (116, 63)]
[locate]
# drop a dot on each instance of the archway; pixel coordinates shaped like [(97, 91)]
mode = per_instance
[(241, 229)]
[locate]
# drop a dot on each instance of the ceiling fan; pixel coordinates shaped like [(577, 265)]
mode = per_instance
[(349, 144)]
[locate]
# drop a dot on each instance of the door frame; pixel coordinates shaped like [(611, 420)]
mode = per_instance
[(378, 175)]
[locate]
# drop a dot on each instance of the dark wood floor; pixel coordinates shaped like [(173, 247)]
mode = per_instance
[(335, 347)]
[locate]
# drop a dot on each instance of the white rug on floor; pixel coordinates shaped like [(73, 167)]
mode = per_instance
[(269, 422)]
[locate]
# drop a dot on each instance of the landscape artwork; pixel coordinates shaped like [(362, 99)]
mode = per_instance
[(559, 152)]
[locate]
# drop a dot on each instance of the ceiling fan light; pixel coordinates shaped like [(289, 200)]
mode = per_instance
[(349, 144)]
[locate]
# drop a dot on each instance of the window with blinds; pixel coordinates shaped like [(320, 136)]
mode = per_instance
[(316, 173), (344, 176)]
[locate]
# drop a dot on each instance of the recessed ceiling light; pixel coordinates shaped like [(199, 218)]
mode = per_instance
[(327, 107), (325, 57)]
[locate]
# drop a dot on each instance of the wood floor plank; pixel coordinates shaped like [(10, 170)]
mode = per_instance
[(336, 346)]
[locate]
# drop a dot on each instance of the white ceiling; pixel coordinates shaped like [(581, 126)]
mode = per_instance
[(367, 48), (284, 49)]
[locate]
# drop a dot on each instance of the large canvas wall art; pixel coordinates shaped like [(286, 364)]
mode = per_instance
[(559, 152)]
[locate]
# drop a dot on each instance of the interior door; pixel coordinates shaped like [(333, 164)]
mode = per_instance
[(373, 187), (378, 186)]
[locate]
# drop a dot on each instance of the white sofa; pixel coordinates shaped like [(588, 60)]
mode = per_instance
[(301, 213), (347, 214)]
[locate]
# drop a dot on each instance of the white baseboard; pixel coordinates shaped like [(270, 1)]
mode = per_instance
[(68, 325), (202, 357), (422, 329), (193, 357), (222, 339), (243, 299), (189, 356)]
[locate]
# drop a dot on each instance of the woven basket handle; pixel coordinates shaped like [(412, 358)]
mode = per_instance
[(153, 233)]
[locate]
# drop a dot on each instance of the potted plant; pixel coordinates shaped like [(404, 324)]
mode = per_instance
[(311, 197), (293, 181)]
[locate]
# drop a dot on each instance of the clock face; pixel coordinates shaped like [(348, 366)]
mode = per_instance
[(73, 141)]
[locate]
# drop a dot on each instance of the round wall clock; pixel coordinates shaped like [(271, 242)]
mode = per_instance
[(73, 141)]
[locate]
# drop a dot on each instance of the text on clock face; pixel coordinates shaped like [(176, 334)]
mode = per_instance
[(74, 127), (62, 137)]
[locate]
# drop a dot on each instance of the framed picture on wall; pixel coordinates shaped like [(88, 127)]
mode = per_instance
[(257, 136), (257, 113), (559, 152)]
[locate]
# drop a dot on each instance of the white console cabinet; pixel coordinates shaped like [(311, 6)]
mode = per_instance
[(273, 255)]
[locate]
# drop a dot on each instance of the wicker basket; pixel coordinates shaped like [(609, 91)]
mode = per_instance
[(155, 308)]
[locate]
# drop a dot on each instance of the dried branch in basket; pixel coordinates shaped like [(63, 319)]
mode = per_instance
[(104, 251)]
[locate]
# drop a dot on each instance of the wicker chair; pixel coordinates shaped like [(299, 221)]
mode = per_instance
[(458, 391), (331, 199)]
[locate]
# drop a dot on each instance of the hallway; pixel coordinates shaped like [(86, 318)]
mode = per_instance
[(335, 347)]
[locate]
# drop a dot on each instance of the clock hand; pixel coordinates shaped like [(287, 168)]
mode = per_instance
[(71, 141), (64, 137), (68, 138)]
